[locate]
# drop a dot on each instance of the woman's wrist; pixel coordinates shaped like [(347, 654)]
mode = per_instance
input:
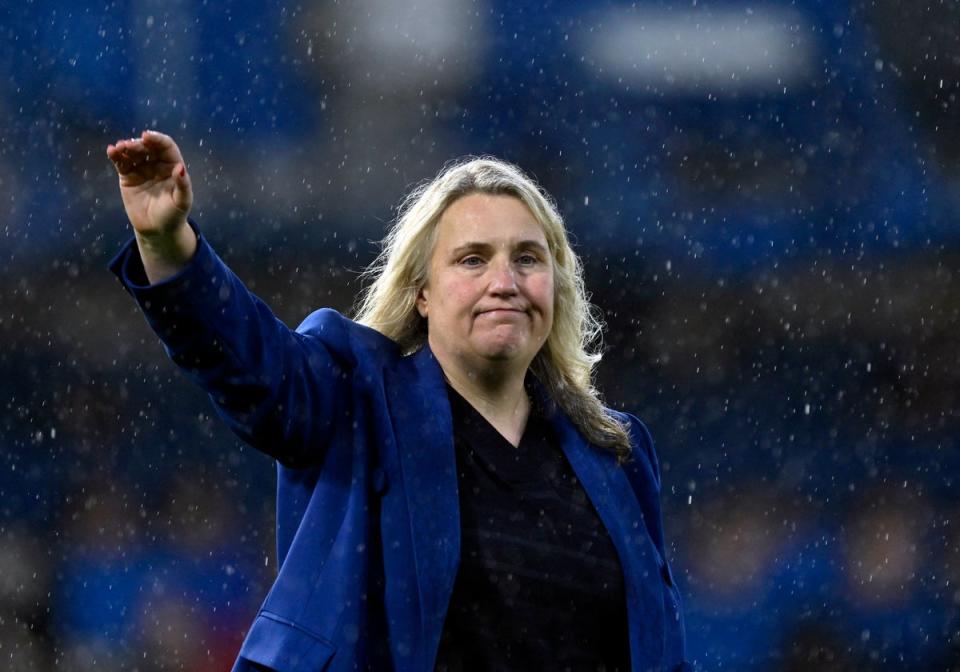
[(166, 254)]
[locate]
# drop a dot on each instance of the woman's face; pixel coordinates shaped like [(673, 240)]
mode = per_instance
[(488, 300)]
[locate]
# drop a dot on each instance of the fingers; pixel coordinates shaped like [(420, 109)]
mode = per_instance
[(161, 145), (183, 193), (127, 155), (157, 138), (151, 147), (124, 157)]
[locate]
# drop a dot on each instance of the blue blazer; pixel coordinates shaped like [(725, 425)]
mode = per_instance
[(368, 527)]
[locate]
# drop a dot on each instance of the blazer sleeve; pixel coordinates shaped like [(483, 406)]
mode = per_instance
[(280, 390)]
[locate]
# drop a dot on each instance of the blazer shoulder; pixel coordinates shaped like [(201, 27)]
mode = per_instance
[(347, 339), (643, 463)]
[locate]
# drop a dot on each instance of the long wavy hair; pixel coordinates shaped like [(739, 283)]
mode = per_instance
[(565, 364)]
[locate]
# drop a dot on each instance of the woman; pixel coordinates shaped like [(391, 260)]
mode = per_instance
[(451, 493)]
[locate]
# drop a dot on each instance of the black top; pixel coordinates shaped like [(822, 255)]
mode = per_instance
[(539, 585)]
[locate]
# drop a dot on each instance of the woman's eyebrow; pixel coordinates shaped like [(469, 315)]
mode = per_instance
[(478, 246), (472, 246), (532, 245)]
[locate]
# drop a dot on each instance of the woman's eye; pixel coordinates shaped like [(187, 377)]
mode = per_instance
[(471, 261), (526, 260)]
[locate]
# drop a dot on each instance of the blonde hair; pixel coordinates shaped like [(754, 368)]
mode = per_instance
[(565, 364)]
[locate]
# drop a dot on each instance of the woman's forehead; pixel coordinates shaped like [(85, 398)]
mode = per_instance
[(488, 218)]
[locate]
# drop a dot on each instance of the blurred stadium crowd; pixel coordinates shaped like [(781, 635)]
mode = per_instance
[(764, 198)]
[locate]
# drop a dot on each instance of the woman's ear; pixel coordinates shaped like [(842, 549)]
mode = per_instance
[(422, 302)]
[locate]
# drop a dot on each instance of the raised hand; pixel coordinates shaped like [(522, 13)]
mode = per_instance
[(157, 196)]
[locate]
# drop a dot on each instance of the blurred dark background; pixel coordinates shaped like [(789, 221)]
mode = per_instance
[(763, 195)]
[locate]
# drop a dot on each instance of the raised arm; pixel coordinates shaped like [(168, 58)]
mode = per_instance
[(280, 390), (157, 196)]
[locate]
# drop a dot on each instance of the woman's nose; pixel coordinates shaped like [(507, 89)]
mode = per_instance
[(504, 278)]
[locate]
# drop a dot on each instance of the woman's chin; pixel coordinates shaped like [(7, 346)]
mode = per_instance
[(504, 351)]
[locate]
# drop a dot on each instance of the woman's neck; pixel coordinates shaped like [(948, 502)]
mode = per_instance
[(501, 399)]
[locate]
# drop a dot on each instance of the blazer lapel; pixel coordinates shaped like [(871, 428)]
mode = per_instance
[(610, 492), (423, 427)]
